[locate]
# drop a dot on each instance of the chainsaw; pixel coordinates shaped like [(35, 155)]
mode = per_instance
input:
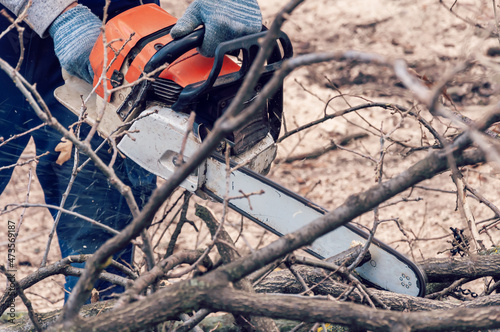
[(157, 82)]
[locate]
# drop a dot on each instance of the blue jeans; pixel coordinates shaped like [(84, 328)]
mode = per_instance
[(91, 195)]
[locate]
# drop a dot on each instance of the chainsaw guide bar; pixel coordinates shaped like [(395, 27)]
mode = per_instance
[(282, 211), (158, 137)]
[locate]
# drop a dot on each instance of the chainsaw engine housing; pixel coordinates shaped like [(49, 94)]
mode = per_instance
[(190, 81), (146, 72)]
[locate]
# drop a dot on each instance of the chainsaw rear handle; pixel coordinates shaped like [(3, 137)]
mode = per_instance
[(249, 45)]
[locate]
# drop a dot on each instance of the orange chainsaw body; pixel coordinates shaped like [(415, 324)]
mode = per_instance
[(138, 34)]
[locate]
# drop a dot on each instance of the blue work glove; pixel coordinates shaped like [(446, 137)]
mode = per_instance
[(74, 33), (223, 20)]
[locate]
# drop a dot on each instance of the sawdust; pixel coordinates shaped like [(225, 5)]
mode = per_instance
[(428, 37)]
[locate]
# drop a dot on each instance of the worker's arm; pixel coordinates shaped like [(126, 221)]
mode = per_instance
[(74, 28), (75, 32), (41, 13)]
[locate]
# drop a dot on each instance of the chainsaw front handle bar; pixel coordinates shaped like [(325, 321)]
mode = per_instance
[(249, 45)]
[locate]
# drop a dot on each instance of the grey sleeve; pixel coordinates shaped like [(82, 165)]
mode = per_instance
[(41, 14)]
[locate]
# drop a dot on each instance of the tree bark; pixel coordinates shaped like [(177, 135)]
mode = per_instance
[(454, 268), (355, 315), (284, 282), (278, 281)]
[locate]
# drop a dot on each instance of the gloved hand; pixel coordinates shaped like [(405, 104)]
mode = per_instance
[(223, 20), (74, 33)]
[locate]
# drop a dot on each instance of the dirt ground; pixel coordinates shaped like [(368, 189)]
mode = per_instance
[(430, 38)]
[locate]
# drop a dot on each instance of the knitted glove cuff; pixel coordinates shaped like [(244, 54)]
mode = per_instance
[(74, 33)]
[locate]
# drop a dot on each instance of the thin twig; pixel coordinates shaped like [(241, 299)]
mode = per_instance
[(25, 162), (447, 290), (19, 291), (192, 325), (69, 212), (29, 131), (74, 173)]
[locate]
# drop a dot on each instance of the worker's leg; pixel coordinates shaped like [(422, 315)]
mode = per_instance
[(91, 195)]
